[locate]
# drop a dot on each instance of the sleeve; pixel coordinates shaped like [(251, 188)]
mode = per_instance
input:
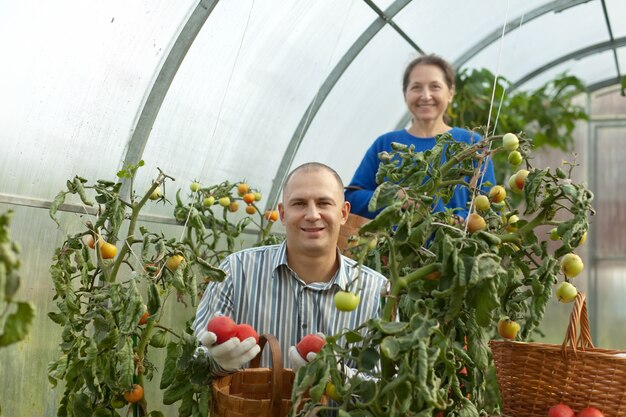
[(216, 301), (360, 190)]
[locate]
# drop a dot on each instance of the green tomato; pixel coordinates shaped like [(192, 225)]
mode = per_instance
[(510, 142), (224, 201), (156, 194), (195, 186), (571, 265), (346, 301), (566, 292), (515, 158), (482, 203), (208, 201), (554, 234)]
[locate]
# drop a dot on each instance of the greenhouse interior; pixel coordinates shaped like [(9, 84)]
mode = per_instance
[(146, 150)]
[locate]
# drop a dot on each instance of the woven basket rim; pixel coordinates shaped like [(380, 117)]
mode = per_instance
[(612, 353)]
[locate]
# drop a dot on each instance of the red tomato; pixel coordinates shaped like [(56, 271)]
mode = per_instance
[(560, 410), (590, 412), (224, 328), (245, 331), (310, 343)]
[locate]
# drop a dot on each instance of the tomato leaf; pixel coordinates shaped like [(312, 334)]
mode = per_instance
[(368, 359), (126, 363), (169, 366), (58, 200), (17, 325), (81, 405), (176, 391)]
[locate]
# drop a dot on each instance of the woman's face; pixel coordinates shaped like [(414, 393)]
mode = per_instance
[(427, 95)]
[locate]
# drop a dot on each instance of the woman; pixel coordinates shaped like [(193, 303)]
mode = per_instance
[(428, 86)]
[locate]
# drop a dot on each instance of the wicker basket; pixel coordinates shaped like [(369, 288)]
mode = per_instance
[(351, 227), (255, 392), (535, 376)]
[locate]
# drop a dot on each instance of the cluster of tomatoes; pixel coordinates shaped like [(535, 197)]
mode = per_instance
[(563, 410), (225, 328)]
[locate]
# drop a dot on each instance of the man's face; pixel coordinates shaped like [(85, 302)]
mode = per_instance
[(313, 209)]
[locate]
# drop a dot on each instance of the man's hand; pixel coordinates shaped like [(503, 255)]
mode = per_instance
[(232, 354), (297, 361)]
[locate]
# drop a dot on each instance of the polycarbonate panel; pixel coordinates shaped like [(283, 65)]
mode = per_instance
[(451, 28), (609, 103), (244, 86), (544, 39), (609, 201), (590, 69), (25, 363), (616, 9), (610, 311), (363, 105), (73, 81)]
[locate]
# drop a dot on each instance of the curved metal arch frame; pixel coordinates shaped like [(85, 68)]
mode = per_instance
[(332, 78), (578, 54), (162, 82)]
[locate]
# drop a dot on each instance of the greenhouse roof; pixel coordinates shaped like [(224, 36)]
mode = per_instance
[(248, 89)]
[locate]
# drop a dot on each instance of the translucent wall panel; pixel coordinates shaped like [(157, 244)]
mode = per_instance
[(363, 105), (610, 311), (25, 363), (245, 84), (74, 77), (609, 201), (544, 39), (609, 103)]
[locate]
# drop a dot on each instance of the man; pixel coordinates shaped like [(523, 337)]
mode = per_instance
[(288, 290)]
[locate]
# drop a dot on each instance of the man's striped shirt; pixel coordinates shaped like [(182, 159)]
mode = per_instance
[(261, 290)]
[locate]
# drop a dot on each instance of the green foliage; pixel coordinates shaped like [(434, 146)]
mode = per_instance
[(547, 114), (100, 302), (16, 317), (448, 287)]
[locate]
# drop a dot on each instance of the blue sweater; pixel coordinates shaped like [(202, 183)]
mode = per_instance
[(365, 175)]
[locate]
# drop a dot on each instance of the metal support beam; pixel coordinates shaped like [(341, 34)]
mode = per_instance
[(162, 83), (578, 54), (322, 94)]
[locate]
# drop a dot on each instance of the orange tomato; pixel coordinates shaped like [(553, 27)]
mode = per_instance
[(233, 207), (108, 250), (271, 215), (135, 394), (242, 188), (250, 209), (174, 262), (144, 319), (249, 198)]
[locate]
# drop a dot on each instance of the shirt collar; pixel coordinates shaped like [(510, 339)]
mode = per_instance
[(348, 269)]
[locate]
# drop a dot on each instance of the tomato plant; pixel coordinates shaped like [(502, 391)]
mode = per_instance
[(448, 286), (16, 317), (110, 301)]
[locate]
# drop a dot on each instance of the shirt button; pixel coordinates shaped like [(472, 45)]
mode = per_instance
[(304, 326)]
